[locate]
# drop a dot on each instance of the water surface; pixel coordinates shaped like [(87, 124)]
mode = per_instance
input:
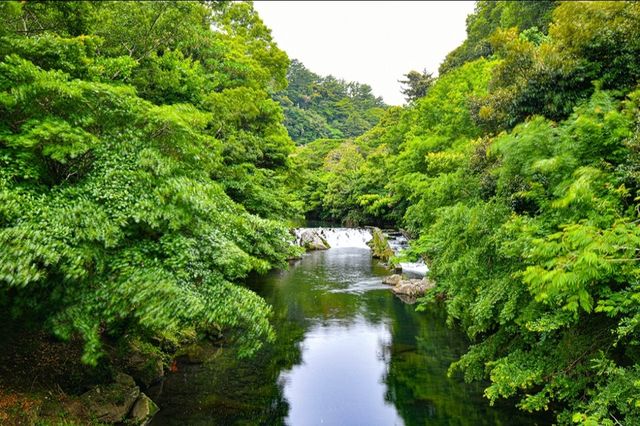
[(348, 352)]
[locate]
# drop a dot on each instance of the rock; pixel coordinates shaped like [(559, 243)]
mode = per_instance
[(380, 248), (111, 403), (143, 410), (124, 380), (144, 363), (392, 279), (310, 239), (412, 288)]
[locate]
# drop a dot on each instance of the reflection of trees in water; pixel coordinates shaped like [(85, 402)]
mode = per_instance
[(310, 290), (228, 390), (316, 292), (421, 351)]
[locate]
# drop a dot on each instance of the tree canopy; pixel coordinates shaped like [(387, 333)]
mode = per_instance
[(416, 84), (142, 170), (318, 107)]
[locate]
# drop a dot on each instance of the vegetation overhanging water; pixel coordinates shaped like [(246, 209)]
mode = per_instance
[(347, 352)]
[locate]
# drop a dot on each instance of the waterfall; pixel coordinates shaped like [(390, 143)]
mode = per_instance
[(359, 237), (341, 237), (399, 242)]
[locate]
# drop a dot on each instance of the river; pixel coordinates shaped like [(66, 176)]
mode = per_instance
[(347, 352)]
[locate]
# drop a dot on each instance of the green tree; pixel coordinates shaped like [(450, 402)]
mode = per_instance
[(518, 177), (417, 84), (318, 107), (490, 16)]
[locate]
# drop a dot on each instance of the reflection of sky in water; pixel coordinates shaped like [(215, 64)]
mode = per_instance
[(340, 379)]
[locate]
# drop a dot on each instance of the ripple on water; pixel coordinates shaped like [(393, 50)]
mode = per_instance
[(362, 286)]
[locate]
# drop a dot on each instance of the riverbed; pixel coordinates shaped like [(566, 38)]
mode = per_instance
[(347, 352)]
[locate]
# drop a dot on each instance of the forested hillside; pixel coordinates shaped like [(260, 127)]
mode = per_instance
[(326, 107), (518, 174)]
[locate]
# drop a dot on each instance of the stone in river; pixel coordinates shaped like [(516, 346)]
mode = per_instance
[(310, 239)]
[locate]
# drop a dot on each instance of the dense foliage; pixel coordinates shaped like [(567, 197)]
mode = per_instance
[(318, 107), (491, 15), (518, 173), (371, 179), (145, 168), (142, 169)]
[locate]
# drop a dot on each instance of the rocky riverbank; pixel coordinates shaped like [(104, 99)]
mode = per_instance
[(44, 382), (408, 289), (117, 402)]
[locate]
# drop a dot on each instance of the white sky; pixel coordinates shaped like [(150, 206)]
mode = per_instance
[(373, 42)]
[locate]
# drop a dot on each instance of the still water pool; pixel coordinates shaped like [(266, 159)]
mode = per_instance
[(348, 352)]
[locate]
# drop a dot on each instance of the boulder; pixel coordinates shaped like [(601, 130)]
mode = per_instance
[(392, 279), (111, 403), (310, 239), (143, 410), (411, 289), (144, 363)]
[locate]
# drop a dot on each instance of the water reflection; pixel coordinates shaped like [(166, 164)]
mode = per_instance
[(347, 353), (340, 378)]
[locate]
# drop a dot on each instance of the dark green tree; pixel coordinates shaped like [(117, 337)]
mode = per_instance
[(318, 107), (416, 84)]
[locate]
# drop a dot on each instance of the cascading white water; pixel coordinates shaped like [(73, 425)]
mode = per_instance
[(418, 268), (399, 242), (359, 237), (341, 237)]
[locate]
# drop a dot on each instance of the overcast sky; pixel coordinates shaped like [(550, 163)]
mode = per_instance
[(370, 42)]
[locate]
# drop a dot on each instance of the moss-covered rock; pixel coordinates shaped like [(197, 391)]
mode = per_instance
[(112, 403), (380, 248), (143, 410), (143, 361)]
